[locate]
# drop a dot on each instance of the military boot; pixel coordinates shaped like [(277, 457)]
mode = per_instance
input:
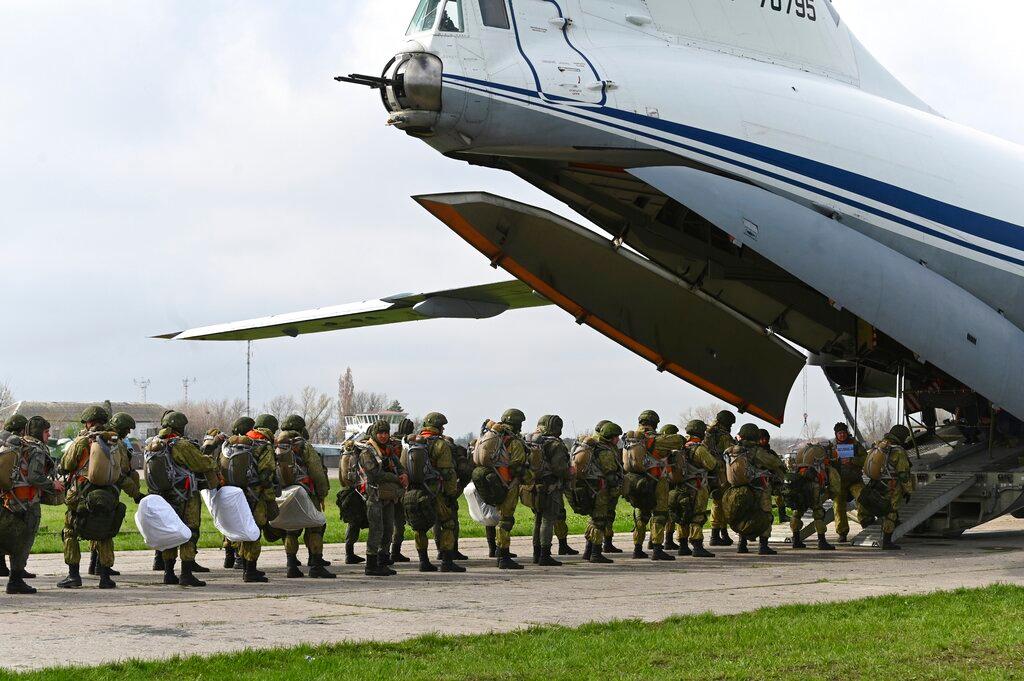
[(609, 547), (670, 543), (742, 546), (564, 549), (763, 549), (456, 554), (783, 516), (715, 539), (350, 555), (536, 552), (448, 562), (382, 562), (888, 544), (169, 576), (425, 564), (597, 557), (293, 567), (187, 578), (252, 574), (4, 570), (239, 562), (196, 567), (650, 544), (545, 558), (94, 558), (638, 551), (683, 549), (229, 557), (25, 574), (659, 553), (699, 551), (73, 580), (823, 545), (798, 542), (372, 569), (158, 561), (505, 561), (588, 550), (492, 546), (105, 581), (396, 554), (319, 561), (17, 586), (317, 570), (724, 537), (844, 538)]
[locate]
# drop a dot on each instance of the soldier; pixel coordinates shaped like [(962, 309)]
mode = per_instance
[(670, 526), (464, 472), (653, 510), (213, 446), (351, 501), (718, 440), (848, 456), (15, 425), (765, 443), (75, 463), (609, 546), (312, 475), (691, 468), (749, 470), (888, 466), (31, 476), (246, 460), (810, 483), (122, 424), (602, 476), (382, 480), (513, 471), (437, 478), (184, 464), (405, 428), (549, 464)]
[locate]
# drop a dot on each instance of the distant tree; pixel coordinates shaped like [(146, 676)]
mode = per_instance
[(703, 412), (281, 406), (346, 392), (876, 417), (395, 406), (206, 414), (315, 409), (364, 402), (6, 395)]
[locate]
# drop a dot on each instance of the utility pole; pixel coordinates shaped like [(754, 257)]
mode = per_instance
[(248, 378), (143, 384), (185, 382)]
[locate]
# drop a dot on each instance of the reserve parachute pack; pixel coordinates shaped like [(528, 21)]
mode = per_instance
[(877, 463), (163, 475), (238, 462), (640, 490), (463, 465), (490, 446), (99, 515), (874, 499), (745, 512), (584, 487), (103, 468), (416, 461), (811, 455), (489, 485), (420, 509), (740, 469)]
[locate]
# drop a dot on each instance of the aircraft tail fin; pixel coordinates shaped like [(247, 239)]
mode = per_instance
[(804, 34)]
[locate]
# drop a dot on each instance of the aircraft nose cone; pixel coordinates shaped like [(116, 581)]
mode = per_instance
[(413, 93)]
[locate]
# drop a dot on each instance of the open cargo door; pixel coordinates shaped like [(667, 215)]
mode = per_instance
[(628, 299)]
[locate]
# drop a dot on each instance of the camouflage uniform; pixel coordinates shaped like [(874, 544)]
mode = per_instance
[(658, 514), (897, 476), (384, 480), (513, 471), (549, 467), (606, 470), (14, 425), (349, 494), (444, 489), (318, 486), (812, 474), (261, 498), (718, 440), (765, 465), (847, 483), (690, 468), (21, 505)]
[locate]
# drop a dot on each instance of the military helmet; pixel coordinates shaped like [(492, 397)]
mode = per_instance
[(697, 428), (377, 427), (669, 429), (513, 417), (36, 426), (174, 420), (267, 421), (94, 413), (725, 417), (15, 424), (122, 423), (287, 438), (293, 422), (600, 424), (243, 425), (550, 424), (749, 431), (763, 434), (649, 417), (610, 430), (841, 428), (435, 419), (898, 434)]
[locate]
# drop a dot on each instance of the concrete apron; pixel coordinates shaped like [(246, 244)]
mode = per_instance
[(144, 618)]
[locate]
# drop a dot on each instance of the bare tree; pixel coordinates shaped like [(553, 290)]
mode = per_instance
[(206, 414), (315, 409), (281, 406), (875, 417), (364, 402), (346, 392), (810, 430), (703, 412), (6, 395)]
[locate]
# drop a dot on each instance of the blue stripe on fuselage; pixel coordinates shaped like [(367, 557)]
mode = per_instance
[(961, 219)]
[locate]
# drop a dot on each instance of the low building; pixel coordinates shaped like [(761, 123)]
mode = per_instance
[(64, 416)]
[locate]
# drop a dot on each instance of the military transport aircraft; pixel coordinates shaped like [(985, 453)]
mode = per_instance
[(764, 184)]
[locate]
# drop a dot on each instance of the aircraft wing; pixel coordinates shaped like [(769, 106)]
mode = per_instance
[(474, 302)]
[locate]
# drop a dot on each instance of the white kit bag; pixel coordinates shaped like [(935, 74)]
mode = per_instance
[(160, 526), (296, 511), (485, 514), (231, 513)]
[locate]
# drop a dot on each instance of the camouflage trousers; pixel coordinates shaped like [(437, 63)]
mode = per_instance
[(691, 512), (72, 544), (453, 503), (548, 503), (718, 521), (817, 497), (261, 511), (380, 516), (614, 505), (398, 537), (507, 517), (892, 518), (444, 528), (21, 547), (845, 484), (561, 526), (657, 517), (603, 518), (190, 512)]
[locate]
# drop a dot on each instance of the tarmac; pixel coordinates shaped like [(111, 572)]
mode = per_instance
[(144, 618)]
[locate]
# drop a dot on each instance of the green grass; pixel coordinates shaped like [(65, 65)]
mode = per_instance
[(49, 538), (965, 634)]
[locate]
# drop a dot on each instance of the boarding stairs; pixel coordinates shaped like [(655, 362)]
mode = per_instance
[(925, 501)]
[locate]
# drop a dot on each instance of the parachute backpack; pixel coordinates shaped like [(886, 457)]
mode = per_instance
[(291, 469), (877, 464), (490, 446), (102, 469), (635, 456), (163, 475), (101, 516), (416, 461), (238, 462), (491, 488), (740, 468), (420, 509), (10, 468)]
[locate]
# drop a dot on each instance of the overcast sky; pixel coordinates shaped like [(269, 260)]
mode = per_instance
[(174, 164)]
